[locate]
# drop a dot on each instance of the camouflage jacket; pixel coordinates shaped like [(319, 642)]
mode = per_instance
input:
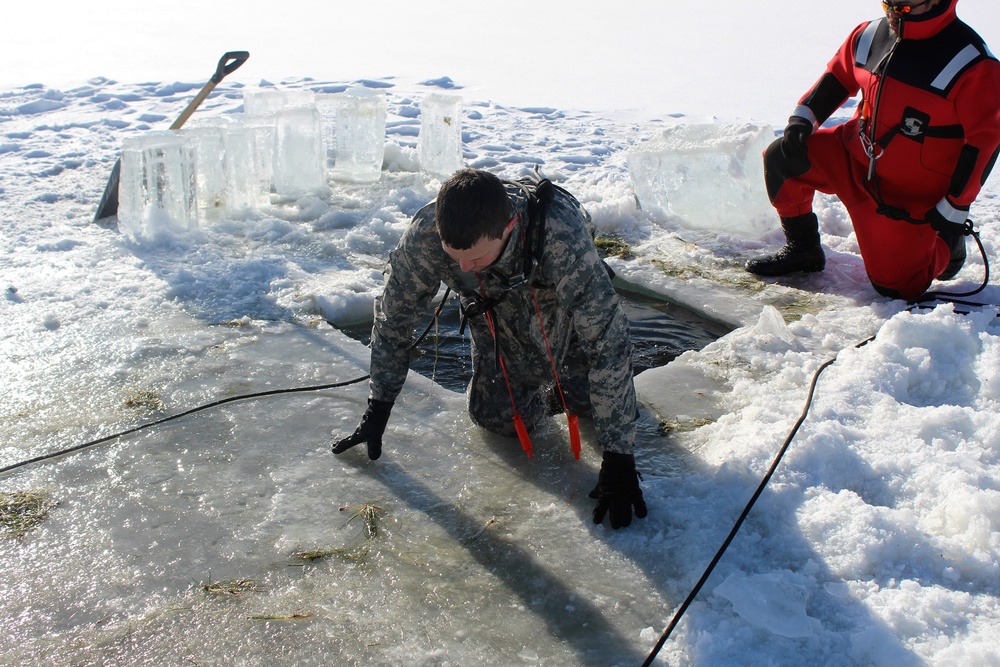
[(574, 296)]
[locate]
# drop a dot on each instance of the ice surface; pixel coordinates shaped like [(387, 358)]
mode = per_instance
[(439, 146), (358, 136), (709, 176), (885, 497), (299, 154), (158, 188)]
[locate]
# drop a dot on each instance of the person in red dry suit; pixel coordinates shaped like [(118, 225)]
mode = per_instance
[(910, 162)]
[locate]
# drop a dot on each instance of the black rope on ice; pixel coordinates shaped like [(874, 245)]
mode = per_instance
[(746, 511), (231, 399), (215, 404)]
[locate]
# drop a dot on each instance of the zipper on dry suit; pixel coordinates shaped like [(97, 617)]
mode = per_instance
[(869, 112), (875, 147)]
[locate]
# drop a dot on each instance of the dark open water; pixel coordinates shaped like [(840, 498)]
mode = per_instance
[(661, 331)]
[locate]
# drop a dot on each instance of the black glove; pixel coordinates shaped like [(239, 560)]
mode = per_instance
[(793, 142), (618, 490), (370, 429)]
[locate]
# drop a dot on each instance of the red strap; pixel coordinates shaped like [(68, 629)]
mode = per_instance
[(522, 430), (522, 435), (571, 419), (574, 434)]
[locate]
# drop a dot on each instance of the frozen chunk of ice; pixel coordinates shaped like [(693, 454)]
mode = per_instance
[(299, 155), (210, 169), (249, 142), (357, 134), (439, 145), (260, 102), (771, 323), (709, 176), (771, 602), (158, 188)]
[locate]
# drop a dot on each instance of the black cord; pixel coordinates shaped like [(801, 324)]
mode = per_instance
[(950, 296), (437, 314), (746, 511), (231, 399), (244, 397)]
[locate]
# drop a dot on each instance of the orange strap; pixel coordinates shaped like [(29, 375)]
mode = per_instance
[(571, 419), (522, 430)]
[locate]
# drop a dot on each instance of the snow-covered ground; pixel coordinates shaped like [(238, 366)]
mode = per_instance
[(876, 542)]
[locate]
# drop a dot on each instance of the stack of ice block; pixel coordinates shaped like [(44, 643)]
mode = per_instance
[(222, 165), (711, 177)]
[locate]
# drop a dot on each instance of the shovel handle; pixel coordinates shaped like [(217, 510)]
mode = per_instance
[(229, 63)]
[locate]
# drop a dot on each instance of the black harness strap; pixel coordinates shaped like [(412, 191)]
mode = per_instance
[(932, 131), (539, 191)]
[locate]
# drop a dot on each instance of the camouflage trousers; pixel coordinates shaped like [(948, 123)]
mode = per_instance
[(533, 390)]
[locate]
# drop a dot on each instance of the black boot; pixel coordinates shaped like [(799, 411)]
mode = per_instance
[(802, 251), (956, 243)]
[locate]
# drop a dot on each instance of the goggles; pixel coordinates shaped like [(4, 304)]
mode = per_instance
[(900, 10), (896, 9)]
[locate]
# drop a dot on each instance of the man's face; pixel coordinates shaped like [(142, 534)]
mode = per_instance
[(483, 253), (895, 9)]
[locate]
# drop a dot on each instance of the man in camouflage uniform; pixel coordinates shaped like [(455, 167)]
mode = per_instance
[(475, 238)]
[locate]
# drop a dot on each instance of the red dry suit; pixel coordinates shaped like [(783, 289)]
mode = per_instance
[(933, 98)]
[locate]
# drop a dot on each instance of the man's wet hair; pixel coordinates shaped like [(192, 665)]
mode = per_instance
[(472, 206)]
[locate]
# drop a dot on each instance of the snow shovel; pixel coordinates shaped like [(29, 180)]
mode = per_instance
[(227, 64)]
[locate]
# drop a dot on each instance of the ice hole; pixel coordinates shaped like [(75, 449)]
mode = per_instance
[(661, 331)]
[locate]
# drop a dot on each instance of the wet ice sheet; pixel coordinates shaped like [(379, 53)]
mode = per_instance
[(500, 547)]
